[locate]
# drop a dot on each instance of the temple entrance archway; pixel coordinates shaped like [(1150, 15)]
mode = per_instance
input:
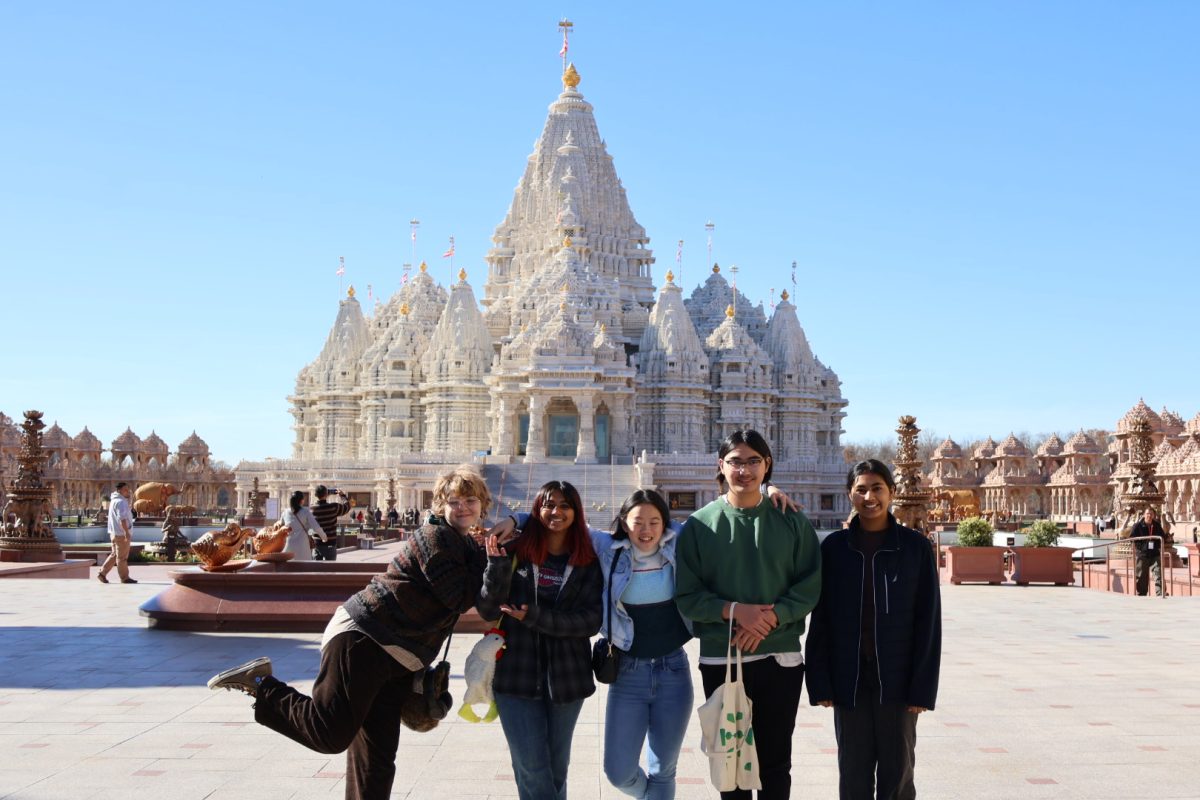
[(562, 428)]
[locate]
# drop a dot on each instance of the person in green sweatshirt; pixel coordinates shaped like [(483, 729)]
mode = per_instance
[(741, 556)]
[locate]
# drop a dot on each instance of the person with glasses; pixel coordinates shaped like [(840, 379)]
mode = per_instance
[(377, 646), (741, 557)]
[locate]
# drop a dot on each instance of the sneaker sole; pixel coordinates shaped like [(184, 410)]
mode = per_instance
[(220, 676)]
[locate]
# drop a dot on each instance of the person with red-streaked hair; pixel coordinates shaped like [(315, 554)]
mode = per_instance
[(546, 590)]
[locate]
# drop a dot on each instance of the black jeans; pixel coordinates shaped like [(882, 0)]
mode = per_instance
[(355, 706), (1143, 566), (774, 693), (875, 737)]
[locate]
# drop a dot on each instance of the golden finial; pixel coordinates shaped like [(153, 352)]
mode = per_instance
[(404, 308), (564, 288), (716, 268), (462, 274), (784, 296), (561, 307), (729, 311), (567, 242), (670, 276), (603, 327), (349, 293), (571, 77), (524, 327), (424, 267)]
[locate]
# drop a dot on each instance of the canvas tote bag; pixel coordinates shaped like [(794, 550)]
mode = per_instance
[(727, 732)]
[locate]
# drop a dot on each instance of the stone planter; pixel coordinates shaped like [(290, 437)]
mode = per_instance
[(975, 564), (1043, 565)]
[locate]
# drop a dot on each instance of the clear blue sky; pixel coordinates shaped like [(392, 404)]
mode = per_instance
[(971, 190)]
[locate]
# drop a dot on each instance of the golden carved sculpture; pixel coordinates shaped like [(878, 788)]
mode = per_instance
[(570, 77), (152, 498), (271, 539), (215, 548)]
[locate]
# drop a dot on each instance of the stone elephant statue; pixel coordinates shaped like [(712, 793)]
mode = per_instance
[(152, 498)]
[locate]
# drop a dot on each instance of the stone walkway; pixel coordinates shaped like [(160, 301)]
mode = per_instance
[(1046, 693)]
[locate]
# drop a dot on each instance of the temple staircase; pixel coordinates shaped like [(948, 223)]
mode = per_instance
[(603, 487)]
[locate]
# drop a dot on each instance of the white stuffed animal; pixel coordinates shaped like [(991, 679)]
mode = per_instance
[(478, 672)]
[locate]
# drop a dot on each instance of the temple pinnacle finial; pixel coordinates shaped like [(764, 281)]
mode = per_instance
[(424, 267), (462, 274), (350, 291), (567, 242), (716, 269), (570, 77), (784, 295), (670, 276), (729, 311), (404, 308)]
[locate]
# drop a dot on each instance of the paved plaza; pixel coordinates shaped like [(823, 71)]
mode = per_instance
[(1046, 693)]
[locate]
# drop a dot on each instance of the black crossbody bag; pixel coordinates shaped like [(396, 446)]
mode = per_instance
[(606, 659)]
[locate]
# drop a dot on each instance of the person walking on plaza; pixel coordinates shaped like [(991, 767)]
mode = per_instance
[(1148, 553), (875, 643), (740, 557), (304, 528), (377, 646), (120, 531), (327, 515), (546, 591)]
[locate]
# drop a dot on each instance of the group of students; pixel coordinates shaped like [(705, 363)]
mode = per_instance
[(870, 592)]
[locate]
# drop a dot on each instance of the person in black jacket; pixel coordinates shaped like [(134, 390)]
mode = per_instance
[(547, 594), (875, 642), (1148, 553)]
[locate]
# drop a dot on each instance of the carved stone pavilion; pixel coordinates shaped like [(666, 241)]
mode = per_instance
[(576, 358)]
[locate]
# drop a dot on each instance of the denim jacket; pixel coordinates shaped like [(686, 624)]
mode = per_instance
[(606, 548)]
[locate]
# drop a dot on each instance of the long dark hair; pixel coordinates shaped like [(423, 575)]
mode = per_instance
[(531, 546), (295, 501), (642, 497), (752, 439)]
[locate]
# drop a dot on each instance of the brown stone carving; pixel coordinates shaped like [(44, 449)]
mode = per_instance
[(910, 503), (173, 540), (151, 498), (25, 518), (216, 547), (272, 539)]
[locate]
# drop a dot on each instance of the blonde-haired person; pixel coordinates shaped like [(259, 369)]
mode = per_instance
[(380, 642)]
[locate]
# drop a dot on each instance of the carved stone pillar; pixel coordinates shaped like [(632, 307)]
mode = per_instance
[(619, 420), (503, 443), (535, 448), (585, 451)]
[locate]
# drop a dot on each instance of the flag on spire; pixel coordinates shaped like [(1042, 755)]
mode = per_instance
[(563, 53), (450, 252), (341, 270)]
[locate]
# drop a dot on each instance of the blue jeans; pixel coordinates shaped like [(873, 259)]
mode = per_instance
[(539, 737), (650, 702)]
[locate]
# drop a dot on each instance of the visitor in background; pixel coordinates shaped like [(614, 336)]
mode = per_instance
[(120, 531), (875, 643), (739, 556), (377, 646), (393, 517), (327, 515), (546, 593), (303, 528), (1148, 553), (378, 516)]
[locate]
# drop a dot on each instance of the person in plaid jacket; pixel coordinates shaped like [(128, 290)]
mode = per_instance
[(547, 594)]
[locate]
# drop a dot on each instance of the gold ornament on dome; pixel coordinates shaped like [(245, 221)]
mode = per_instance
[(424, 267), (462, 274), (784, 296), (570, 77), (567, 242), (729, 311), (404, 308), (716, 269), (670, 276), (349, 293)]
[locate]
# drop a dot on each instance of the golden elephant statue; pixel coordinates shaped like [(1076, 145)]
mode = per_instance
[(151, 498), (217, 547)]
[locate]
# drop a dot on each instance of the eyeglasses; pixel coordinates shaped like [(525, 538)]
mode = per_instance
[(749, 463)]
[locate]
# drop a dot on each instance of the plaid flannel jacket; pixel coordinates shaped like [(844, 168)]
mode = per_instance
[(549, 652)]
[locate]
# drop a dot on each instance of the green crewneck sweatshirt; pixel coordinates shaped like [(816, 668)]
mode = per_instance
[(752, 555)]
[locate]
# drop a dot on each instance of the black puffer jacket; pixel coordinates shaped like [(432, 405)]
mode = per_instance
[(551, 644), (908, 620)]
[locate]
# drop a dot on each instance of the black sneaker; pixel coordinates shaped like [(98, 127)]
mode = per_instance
[(101, 578), (126, 580), (244, 678)]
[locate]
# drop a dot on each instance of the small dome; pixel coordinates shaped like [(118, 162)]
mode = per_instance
[(127, 442), (87, 442), (1081, 443), (948, 449), (1012, 447), (1139, 411), (55, 438), (986, 449), (1051, 447), (154, 444), (193, 445)]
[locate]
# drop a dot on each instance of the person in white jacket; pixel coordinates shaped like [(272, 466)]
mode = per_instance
[(302, 524), (120, 531)]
